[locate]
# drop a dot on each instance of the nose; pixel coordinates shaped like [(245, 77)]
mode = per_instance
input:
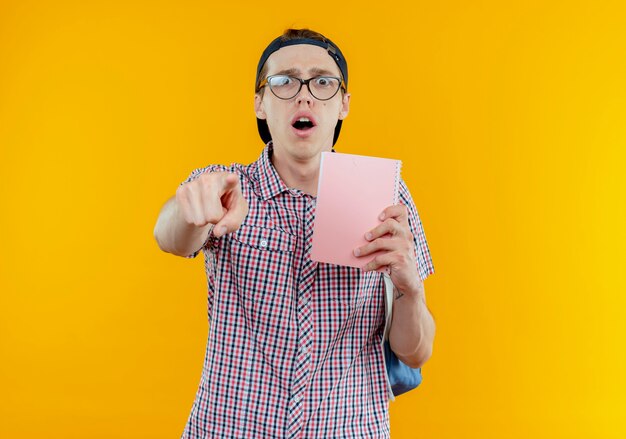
[(304, 95)]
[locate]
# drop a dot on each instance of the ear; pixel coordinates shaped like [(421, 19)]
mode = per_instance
[(258, 107), (345, 106)]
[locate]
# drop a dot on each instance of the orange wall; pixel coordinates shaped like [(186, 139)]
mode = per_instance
[(509, 118)]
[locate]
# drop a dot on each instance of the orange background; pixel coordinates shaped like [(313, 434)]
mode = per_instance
[(509, 118)]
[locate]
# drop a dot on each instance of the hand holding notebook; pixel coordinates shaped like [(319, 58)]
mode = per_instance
[(352, 192)]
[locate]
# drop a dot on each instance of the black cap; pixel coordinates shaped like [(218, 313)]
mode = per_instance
[(332, 50)]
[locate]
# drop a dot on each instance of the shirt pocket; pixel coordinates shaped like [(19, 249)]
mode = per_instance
[(262, 238), (263, 261), (263, 273)]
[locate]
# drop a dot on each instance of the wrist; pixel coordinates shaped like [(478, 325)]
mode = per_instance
[(412, 293)]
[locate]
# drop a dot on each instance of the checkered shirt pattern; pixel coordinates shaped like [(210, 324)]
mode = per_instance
[(294, 346)]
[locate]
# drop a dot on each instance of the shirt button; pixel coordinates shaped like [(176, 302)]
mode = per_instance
[(297, 398), (263, 243)]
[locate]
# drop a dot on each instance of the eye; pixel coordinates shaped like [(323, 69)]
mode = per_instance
[(280, 81), (323, 81)]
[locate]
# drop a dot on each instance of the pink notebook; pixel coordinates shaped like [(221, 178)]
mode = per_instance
[(352, 192)]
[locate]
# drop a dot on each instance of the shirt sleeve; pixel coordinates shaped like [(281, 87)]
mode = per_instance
[(211, 240), (425, 265)]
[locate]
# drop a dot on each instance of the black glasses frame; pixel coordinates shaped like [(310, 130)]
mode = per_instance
[(342, 85)]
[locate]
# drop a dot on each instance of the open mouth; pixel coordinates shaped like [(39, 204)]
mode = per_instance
[(303, 124)]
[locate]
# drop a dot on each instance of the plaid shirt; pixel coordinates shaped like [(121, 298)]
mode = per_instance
[(294, 346)]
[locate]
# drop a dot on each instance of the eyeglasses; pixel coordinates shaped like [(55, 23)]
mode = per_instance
[(322, 88)]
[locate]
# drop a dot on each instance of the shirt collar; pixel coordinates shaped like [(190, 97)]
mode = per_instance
[(269, 182)]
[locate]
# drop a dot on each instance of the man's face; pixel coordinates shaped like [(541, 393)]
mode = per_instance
[(302, 61)]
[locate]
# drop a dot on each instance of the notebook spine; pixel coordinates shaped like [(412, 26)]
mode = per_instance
[(396, 186)]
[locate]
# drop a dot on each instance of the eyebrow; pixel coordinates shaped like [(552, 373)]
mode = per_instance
[(314, 71)]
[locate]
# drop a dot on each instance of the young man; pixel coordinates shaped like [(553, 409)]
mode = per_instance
[(294, 346)]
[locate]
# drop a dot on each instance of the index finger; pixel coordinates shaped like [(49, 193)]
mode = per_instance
[(228, 182), (233, 217)]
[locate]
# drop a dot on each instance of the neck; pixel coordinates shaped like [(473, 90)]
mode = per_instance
[(298, 172)]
